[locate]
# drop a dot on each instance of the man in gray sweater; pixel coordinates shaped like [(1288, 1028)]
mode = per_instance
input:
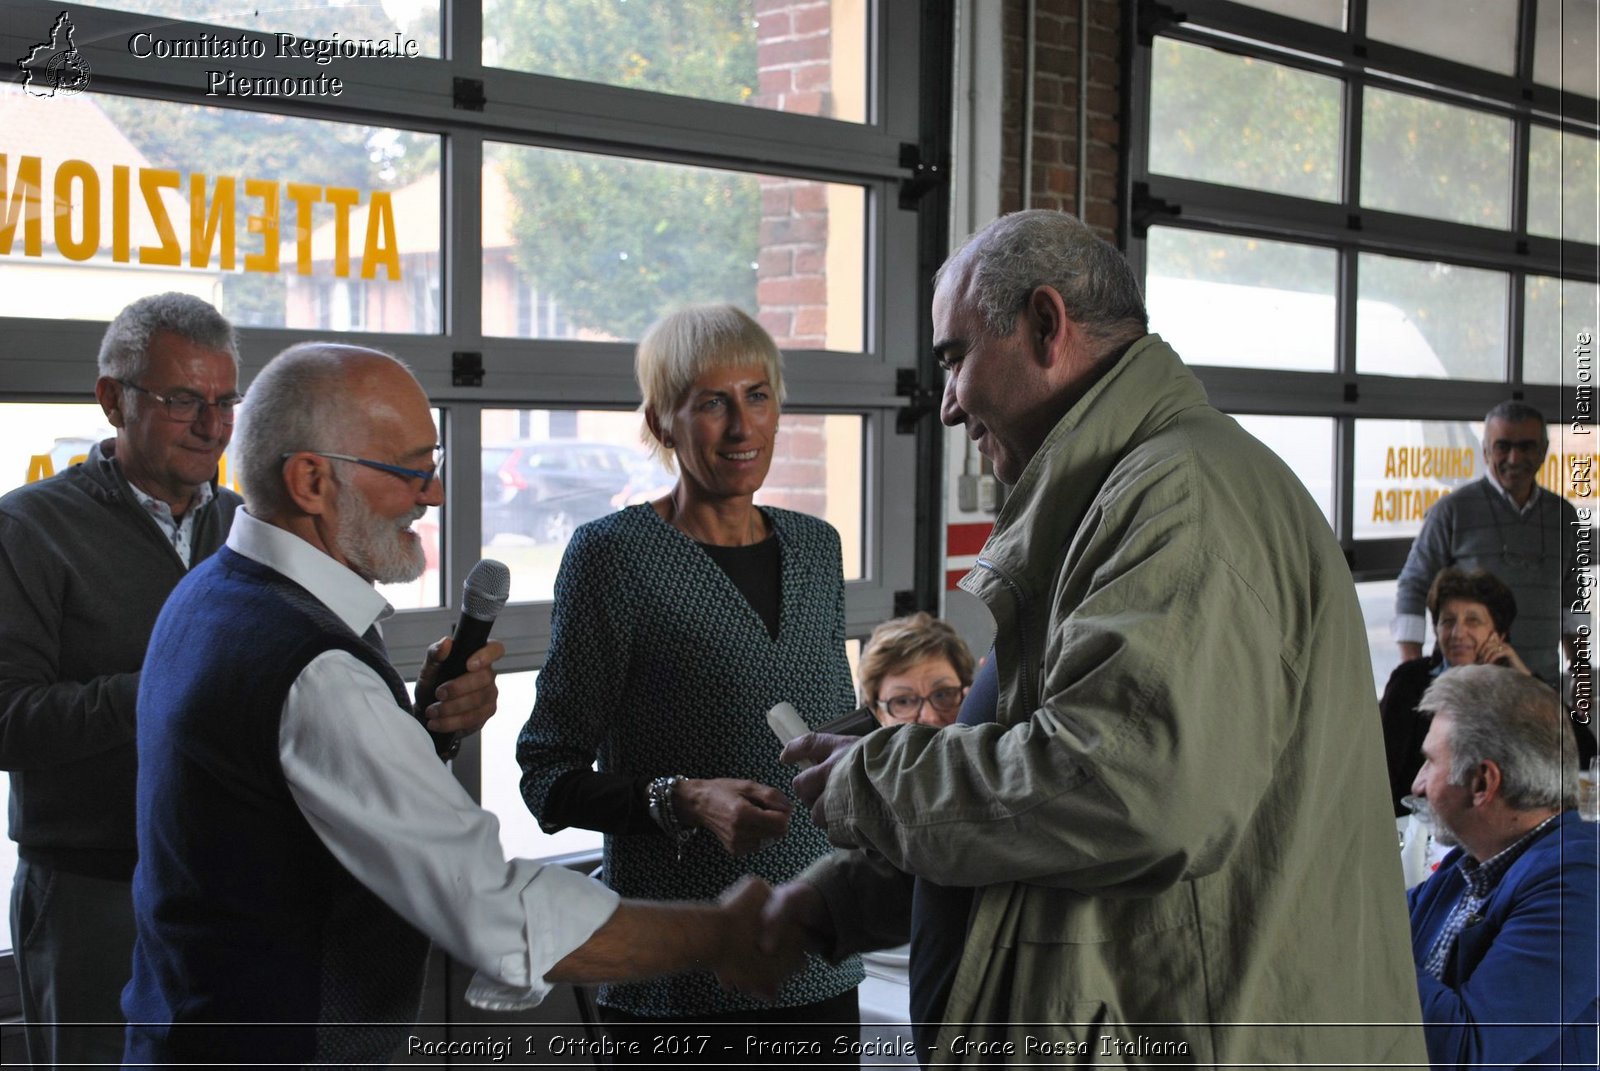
[(1507, 524), (87, 558)]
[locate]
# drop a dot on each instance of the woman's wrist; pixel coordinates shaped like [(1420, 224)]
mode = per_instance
[(685, 793), (661, 797)]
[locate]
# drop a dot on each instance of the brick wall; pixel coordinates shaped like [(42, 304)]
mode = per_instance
[(794, 51), (1054, 181)]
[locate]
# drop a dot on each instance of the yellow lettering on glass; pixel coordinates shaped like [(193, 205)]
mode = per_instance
[(265, 224), (151, 183), (1402, 504), (119, 214), (85, 206), (76, 219), (303, 197), (24, 201), (342, 200), (206, 227), (39, 468), (380, 226)]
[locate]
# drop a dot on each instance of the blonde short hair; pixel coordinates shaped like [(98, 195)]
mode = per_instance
[(686, 343), (903, 641)]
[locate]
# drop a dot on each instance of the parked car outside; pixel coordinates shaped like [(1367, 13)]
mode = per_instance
[(542, 489)]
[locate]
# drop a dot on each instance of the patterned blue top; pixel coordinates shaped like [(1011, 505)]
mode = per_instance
[(658, 665)]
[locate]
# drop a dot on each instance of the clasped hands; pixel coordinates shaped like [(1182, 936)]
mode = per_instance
[(769, 930), (765, 934)]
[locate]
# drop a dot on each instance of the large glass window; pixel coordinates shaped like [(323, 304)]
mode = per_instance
[(1560, 313), (1430, 319), (547, 471), (591, 247), (1242, 302), (1426, 158), (608, 161), (1402, 467), (1480, 32), (106, 199), (1407, 270), (307, 29), (1563, 53), (1243, 122), (809, 58), (1563, 189)]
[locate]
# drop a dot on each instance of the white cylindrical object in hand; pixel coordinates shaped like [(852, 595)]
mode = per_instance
[(787, 724)]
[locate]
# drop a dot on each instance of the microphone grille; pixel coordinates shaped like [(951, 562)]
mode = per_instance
[(486, 589)]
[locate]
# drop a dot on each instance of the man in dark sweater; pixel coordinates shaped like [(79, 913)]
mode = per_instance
[(87, 558), (299, 841)]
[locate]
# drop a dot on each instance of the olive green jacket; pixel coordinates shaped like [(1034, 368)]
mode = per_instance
[(1179, 825)]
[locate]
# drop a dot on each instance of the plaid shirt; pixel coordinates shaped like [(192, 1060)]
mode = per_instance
[(1481, 879)]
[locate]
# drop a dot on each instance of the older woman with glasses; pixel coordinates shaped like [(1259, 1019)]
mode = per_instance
[(677, 625), (915, 669)]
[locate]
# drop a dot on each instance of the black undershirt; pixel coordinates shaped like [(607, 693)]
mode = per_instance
[(615, 802), (942, 914)]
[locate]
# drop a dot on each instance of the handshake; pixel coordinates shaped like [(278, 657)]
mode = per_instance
[(761, 935), (767, 932), (755, 936)]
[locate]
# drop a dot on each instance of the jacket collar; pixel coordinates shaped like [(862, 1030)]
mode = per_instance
[(1146, 388), (102, 468)]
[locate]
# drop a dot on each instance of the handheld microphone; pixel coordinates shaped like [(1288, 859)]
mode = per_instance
[(483, 596)]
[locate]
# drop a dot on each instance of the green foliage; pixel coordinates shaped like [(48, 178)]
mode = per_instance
[(696, 48), (1430, 159), (1243, 122), (621, 242)]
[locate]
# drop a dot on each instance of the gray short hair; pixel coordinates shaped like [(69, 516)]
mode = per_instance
[(1020, 252), (1514, 412), (299, 402), (125, 349), (684, 344), (1516, 721)]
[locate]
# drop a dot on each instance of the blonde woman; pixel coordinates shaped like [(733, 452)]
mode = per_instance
[(677, 625)]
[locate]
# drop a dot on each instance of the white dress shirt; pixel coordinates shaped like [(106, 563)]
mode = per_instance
[(364, 773)]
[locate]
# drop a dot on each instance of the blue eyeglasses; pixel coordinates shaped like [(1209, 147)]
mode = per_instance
[(425, 475)]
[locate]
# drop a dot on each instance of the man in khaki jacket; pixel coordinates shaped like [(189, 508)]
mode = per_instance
[(1174, 828)]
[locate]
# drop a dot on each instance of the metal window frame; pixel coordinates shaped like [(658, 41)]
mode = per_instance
[(1351, 229), (53, 360)]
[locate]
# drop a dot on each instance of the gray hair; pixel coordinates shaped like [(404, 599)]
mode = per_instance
[(684, 344), (125, 349), (1020, 252), (1514, 412), (299, 402), (1516, 721)]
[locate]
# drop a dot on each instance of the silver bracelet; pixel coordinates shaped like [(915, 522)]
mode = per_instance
[(659, 798)]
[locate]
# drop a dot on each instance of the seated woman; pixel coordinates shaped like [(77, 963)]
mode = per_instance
[(1472, 614), (915, 669)]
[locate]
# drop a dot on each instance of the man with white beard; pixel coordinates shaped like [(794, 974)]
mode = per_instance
[(300, 842)]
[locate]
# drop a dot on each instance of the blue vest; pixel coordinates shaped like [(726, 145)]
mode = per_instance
[(243, 916)]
